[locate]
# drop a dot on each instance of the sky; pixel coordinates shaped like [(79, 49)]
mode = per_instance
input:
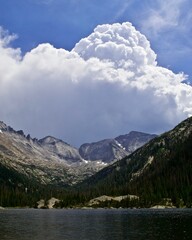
[(84, 70)]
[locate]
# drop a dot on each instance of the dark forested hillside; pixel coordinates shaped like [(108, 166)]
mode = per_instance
[(159, 170), (15, 188)]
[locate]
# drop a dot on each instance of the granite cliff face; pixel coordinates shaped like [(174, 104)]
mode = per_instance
[(63, 150), (107, 151), (110, 150), (134, 140)]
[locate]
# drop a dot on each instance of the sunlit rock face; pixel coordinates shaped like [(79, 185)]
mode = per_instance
[(110, 150)]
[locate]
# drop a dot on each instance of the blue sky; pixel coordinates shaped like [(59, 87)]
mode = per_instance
[(63, 23)]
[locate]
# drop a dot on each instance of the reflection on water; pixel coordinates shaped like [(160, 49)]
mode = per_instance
[(31, 224)]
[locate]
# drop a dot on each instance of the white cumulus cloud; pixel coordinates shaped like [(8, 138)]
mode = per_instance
[(109, 84)]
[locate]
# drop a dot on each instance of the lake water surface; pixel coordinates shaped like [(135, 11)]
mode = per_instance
[(100, 224)]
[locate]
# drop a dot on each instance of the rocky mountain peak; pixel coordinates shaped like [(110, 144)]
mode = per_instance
[(134, 140), (3, 126), (51, 140), (62, 149), (106, 150), (20, 132), (109, 150)]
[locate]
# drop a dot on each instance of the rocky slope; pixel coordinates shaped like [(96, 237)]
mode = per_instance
[(49, 160), (63, 150), (134, 140), (52, 161), (107, 151), (110, 150)]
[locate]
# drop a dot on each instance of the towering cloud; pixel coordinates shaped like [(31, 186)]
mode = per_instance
[(117, 43), (110, 83)]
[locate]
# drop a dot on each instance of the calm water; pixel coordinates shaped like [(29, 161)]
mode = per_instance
[(27, 224)]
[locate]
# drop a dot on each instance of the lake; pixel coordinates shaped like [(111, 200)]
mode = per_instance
[(99, 224)]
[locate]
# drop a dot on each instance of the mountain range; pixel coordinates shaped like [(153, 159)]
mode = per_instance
[(51, 161), (145, 170), (158, 172)]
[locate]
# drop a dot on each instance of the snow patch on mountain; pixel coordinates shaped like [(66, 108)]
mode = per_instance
[(119, 144)]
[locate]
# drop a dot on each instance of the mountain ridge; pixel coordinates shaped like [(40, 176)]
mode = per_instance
[(52, 161), (158, 173), (159, 170)]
